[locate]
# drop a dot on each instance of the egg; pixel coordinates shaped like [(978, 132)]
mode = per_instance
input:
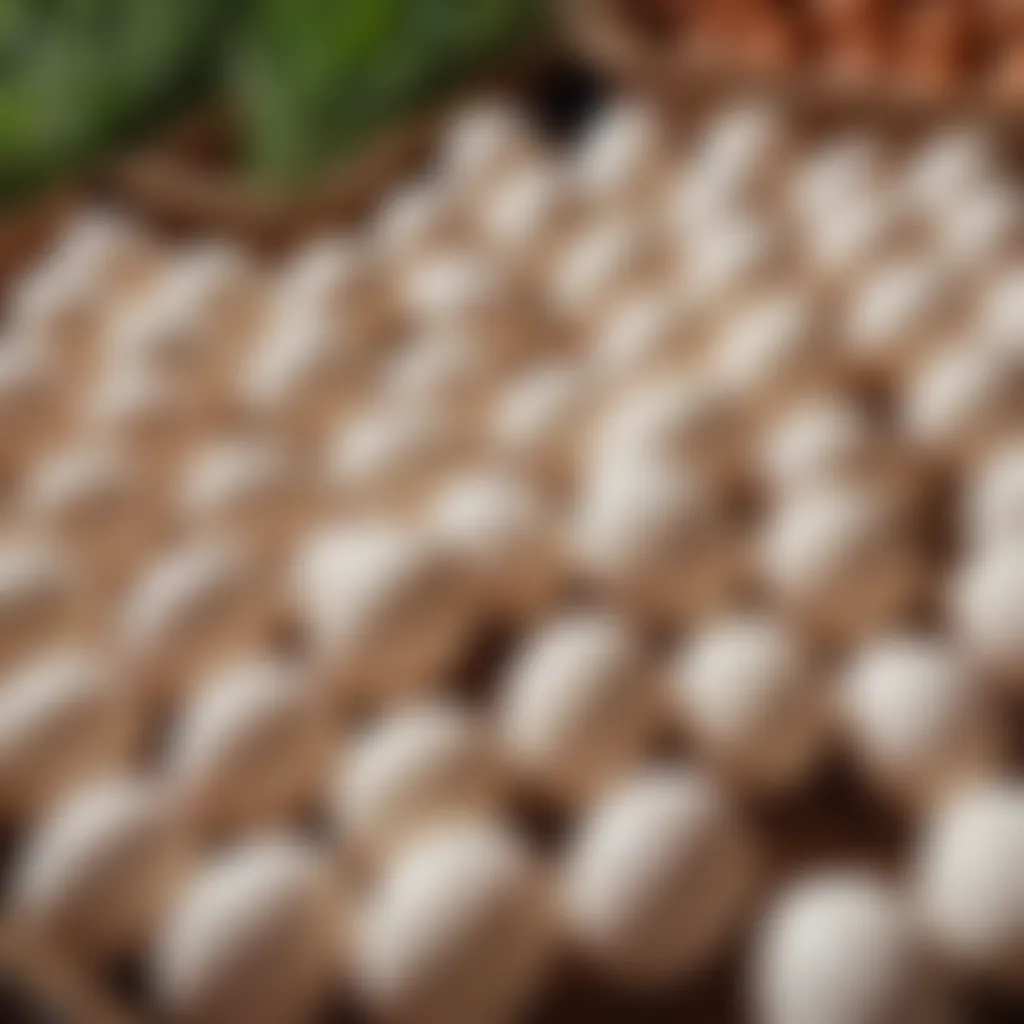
[(506, 534), (993, 498), (249, 747), (66, 719), (578, 706), (249, 486), (689, 421), (968, 882), (481, 140), (252, 938), (41, 597), (772, 351), (963, 402), (843, 248), (620, 152), (657, 880), (97, 872), (986, 599), (197, 604), (92, 497), (947, 162), (457, 932), (828, 440), (999, 314), (414, 769), (389, 456), (537, 419), (919, 723), (385, 606), (842, 946), (303, 371), (836, 171), (839, 558), (653, 538), (747, 692)]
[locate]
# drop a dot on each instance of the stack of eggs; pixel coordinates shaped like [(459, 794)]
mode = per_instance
[(452, 606)]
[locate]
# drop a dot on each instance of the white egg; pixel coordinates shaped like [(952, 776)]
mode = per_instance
[(458, 931), (385, 606), (948, 162), (987, 607), (747, 692), (65, 720), (653, 537), (250, 746), (414, 769), (919, 722), (733, 256), (508, 538), (993, 506), (836, 172), (195, 605), (658, 879), (964, 401), (681, 420), (389, 455), (578, 706), (773, 350), (252, 938), (840, 559), (893, 317), (536, 420), (97, 873), (969, 883), (248, 486), (482, 140), (842, 946)]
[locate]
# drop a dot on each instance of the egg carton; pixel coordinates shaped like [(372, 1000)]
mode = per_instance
[(520, 602)]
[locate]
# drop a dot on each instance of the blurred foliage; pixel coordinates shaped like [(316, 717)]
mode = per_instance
[(305, 79), (77, 74), (314, 78)]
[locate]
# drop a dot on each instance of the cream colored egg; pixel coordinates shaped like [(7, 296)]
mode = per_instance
[(969, 883), (594, 265), (412, 221), (507, 536), (658, 879), (964, 401), (688, 421), (834, 173), (303, 372), (772, 351), (987, 607), (854, 236), (747, 691), (196, 605), (97, 873), (152, 416), (92, 497), (246, 486), (649, 331), (993, 506), (458, 931), (578, 706), (252, 939), (945, 164), (385, 606), (920, 724), (41, 597), (736, 256), (482, 140), (981, 228), (999, 316), (839, 558), (28, 411), (843, 946), (537, 419), (828, 440), (894, 317), (66, 719), (328, 275), (620, 152), (250, 746), (653, 537), (412, 770), (389, 455)]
